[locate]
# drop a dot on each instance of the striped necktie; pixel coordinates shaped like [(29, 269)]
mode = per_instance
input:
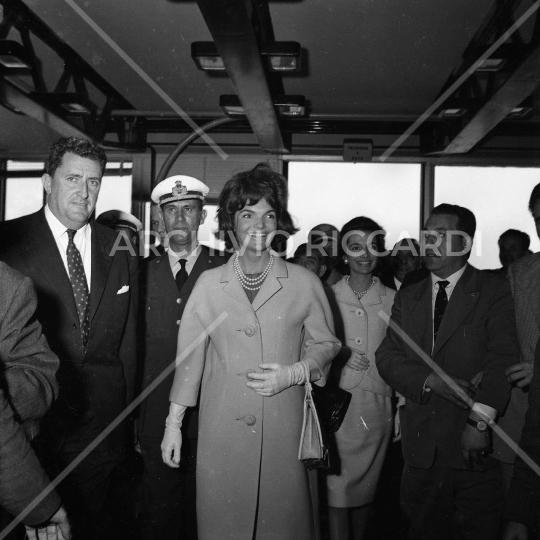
[(79, 285)]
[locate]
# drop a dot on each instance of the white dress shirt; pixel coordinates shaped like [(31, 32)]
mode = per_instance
[(190, 260), (484, 410), (82, 240)]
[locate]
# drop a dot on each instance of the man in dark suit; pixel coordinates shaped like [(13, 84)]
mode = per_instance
[(87, 295), (27, 389), (168, 494), (464, 320)]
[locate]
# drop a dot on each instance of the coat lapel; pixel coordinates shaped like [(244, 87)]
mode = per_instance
[(271, 285), (46, 259), (232, 284), (101, 265), (462, 301), (531, 283)]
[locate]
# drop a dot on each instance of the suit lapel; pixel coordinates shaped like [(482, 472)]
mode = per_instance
[(422, 316), (531, 283), (202, 263), (101, 265), (45, 258), (463, 299)]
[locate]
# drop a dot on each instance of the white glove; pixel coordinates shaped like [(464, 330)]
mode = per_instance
[(276, 378), (172, 438)]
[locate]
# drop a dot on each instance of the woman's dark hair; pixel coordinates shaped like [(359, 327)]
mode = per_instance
[(364, 224), (248, 188), (74, 145)]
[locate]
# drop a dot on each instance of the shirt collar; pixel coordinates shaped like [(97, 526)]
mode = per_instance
[(58, 229), (174, 257), (452, 280)]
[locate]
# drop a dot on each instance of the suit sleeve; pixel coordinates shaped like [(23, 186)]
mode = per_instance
[(21, 477), (129, 351), (523, 498), (321, 344), (30, 366), (401, 371)]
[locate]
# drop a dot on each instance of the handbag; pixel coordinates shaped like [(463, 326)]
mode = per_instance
[(332, 403), (313, 451)]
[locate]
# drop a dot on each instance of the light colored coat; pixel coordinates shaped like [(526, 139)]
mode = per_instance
[(524, 277), (248, 473)]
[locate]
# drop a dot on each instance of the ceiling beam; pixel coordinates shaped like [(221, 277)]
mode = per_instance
[(18, 100), (230, 24), (517, 87)]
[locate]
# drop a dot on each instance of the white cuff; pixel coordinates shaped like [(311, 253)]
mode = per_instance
[(485, 410)]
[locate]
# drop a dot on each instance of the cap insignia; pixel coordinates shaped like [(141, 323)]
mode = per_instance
[(178, 190)]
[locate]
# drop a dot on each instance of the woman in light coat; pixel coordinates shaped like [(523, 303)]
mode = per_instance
[(357, 302), (240, 342)]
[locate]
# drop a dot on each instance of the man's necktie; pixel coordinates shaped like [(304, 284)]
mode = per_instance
[(441, 301), (79, 285), (181, 275)]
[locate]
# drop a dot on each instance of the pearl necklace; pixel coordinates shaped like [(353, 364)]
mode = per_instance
[(361, 293), (251, 284)]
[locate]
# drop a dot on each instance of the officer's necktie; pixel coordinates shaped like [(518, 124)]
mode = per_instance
[(181, 275), (79, 285), (441, 301)]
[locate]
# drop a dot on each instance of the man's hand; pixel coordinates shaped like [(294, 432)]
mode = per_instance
[(475, 444), (57, 529), (515, 531), (358, 361), (435, 383), (519, 375)]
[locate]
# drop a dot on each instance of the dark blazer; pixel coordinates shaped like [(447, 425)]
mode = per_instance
[(523, 500), (27, 389), (477, 334), (97, 383), (163, 309)]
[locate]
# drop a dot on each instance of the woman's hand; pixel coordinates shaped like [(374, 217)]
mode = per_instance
[(358, 361), (275, 379), (172, 438)]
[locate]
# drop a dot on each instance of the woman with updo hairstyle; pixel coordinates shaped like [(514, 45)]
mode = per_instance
[(363, 437), (251, 333)]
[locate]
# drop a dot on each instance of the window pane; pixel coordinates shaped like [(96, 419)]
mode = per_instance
[(499, 198), (337, 192), (25, 165), (23, 196), (115, 194)]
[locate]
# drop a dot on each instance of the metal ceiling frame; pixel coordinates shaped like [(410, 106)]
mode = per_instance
[(231, 24), (38, 102)]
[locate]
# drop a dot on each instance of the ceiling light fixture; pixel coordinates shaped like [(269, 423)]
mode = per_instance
[(285, 105), (282, 56), (73, 104), (13, 56)]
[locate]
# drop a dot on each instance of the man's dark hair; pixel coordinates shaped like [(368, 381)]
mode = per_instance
[(74, 145), (314, 251), (466, 221), (247, 189), (535, 195), (524, 238)]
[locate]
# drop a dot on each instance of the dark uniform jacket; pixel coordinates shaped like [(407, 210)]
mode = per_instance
[(163, 309), (96, 384)]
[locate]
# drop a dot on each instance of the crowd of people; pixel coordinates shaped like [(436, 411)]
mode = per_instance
[(191, 364)]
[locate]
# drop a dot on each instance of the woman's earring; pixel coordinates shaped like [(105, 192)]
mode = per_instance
[(345, 260)]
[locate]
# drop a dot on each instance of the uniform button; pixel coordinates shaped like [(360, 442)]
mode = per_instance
[(250, 420), (359, 312), (178, 300), (358, 340), (74, 326), (249, 331), (178, 322), (248, 372)]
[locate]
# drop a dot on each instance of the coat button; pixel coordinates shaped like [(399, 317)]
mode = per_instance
[(74, 326), (248, 372), (249, 331), (178, 300), (359, 312), (178, 322), (250, 420), (358, 340)]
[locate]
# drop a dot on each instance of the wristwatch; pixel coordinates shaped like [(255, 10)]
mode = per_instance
[(480, 425)]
